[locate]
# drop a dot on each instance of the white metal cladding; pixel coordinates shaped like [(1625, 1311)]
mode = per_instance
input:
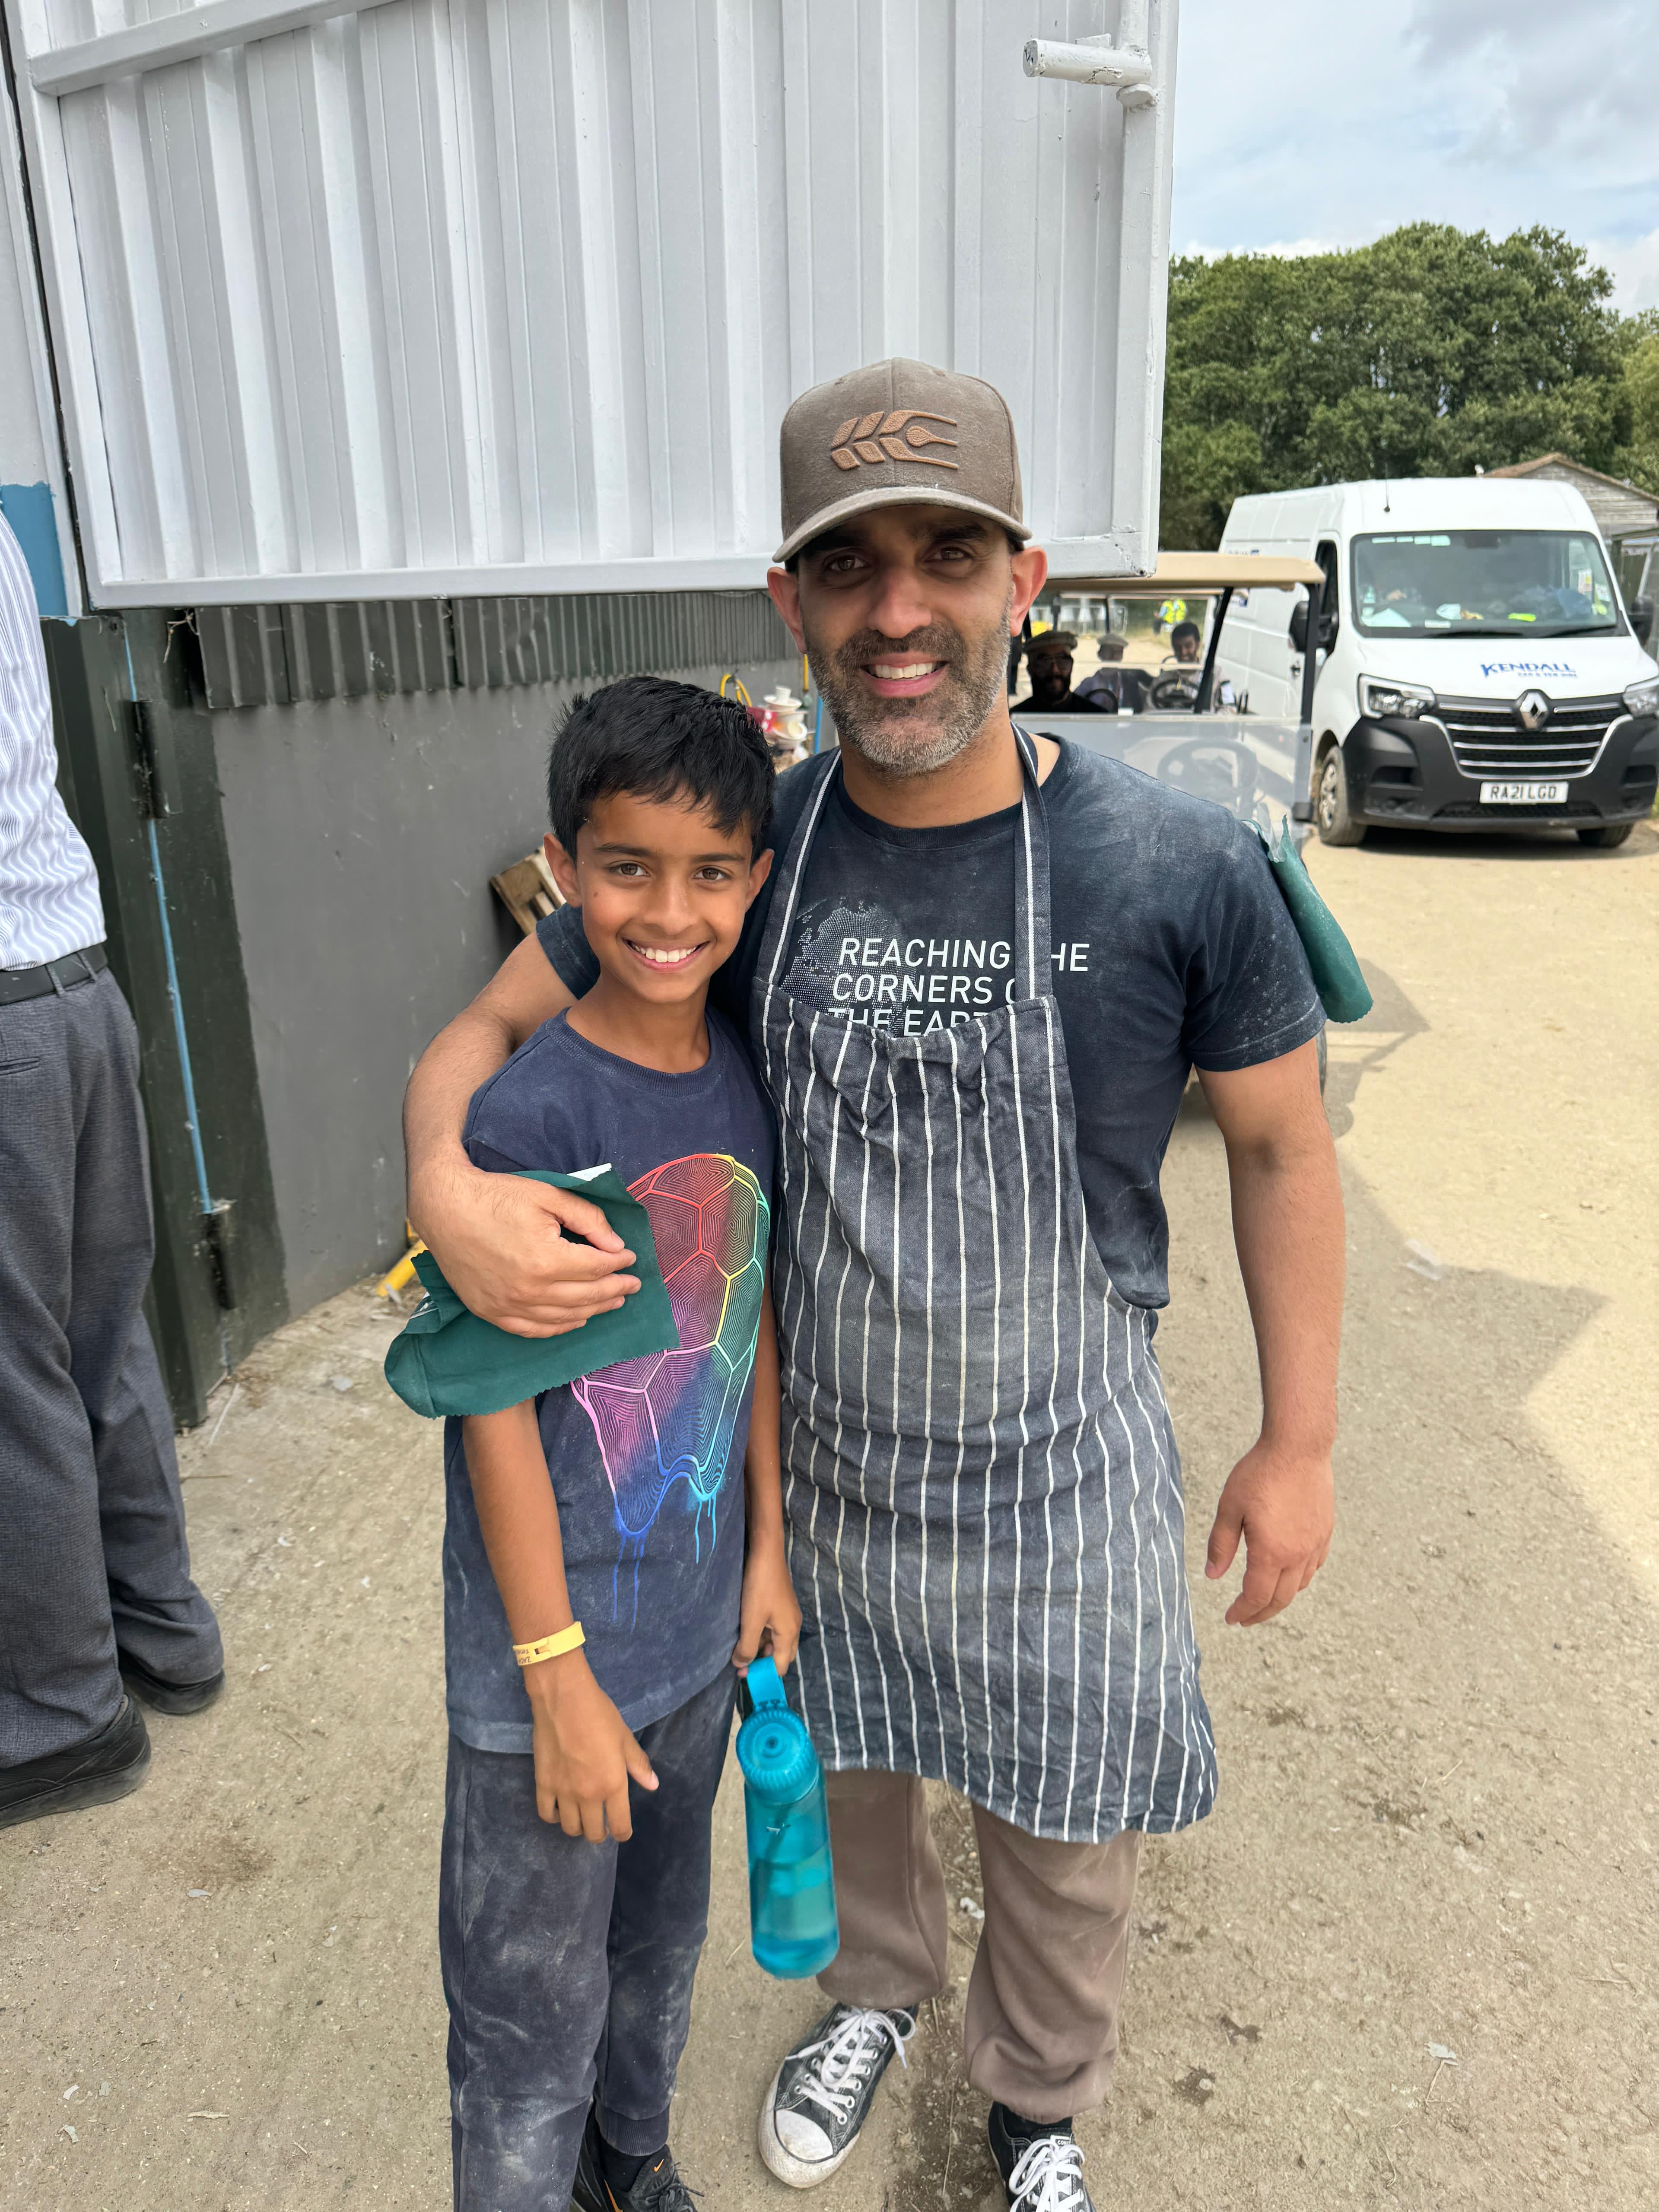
[(509, 295)]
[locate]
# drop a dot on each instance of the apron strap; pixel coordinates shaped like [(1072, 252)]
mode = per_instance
[(785, 885), (1033, 930)]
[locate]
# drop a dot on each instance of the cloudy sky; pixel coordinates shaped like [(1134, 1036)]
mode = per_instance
[(1300, 125)]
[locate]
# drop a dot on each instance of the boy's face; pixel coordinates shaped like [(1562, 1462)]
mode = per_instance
[(663, 892)]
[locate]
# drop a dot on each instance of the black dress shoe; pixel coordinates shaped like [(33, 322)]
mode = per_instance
[(107, 1765), (168, 1697)]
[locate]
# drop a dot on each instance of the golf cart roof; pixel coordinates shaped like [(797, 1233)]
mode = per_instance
[(1202, 572)]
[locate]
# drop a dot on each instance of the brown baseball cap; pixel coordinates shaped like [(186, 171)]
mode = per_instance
[(897, 432)]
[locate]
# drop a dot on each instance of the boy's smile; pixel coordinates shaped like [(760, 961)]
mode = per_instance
[(663, 890)]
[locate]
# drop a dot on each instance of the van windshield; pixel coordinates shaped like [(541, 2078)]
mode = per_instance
[(1482, 583)]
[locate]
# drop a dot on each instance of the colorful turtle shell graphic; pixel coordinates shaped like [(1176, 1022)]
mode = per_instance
[(670, 1416)]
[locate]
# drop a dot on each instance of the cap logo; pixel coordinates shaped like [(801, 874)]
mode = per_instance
[(877, 438)]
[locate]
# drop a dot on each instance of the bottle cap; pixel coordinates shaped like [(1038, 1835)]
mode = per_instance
[(774, 1749)]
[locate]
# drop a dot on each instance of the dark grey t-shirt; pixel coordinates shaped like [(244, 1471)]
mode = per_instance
[(1172, 948)]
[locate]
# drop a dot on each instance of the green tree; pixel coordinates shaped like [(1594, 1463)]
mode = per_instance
[(1642, 386), (1432, 352)]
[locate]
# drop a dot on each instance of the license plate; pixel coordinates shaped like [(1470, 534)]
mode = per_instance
[(1524, 794)]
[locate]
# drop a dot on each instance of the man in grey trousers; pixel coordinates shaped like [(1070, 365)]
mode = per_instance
[(95, 1571)]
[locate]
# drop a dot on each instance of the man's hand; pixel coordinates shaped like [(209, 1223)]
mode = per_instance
[(1283, 1503), (505, 1245), (584, 1751), (769, 1618)]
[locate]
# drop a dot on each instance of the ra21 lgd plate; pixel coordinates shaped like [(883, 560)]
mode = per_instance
[(1523, 794)]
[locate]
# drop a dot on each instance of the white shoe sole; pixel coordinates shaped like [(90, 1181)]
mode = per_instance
[(795, 2172)]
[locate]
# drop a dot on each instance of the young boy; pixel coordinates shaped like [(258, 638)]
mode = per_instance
[(584, 1761)]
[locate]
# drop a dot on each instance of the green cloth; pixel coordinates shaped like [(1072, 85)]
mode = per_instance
[(446, 1360), (1341, 987)]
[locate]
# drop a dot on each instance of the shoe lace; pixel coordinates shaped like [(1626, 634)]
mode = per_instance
[(844, 2059), (1048, 2177)]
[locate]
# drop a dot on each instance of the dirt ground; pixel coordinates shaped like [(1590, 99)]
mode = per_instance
[(1408, 1962)]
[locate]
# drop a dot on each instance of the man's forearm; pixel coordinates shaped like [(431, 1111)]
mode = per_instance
[(524, 992), (1287, 1225), (457, 1060)]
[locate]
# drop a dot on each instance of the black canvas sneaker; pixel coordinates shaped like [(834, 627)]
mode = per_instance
[(656, 2187), (1042, 2167), (821, 2095)]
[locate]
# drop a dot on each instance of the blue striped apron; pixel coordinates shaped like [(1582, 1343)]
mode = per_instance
[(981, 1488)]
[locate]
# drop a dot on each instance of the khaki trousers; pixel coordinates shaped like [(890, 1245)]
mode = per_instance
[(1040, 2027)]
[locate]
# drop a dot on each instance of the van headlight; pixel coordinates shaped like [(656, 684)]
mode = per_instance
[(1642, 698), (1403, 700)]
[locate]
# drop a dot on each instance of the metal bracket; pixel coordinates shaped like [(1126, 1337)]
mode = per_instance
[(218, 1242), (151, 798)]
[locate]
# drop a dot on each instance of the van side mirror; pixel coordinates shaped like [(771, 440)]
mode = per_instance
[(1299, 625), (1641, 620)]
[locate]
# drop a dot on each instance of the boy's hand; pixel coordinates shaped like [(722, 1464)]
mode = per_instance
[(769, 1620), (584, 1750)]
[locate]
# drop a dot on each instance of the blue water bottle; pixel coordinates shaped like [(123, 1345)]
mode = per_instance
[(792, 1885)]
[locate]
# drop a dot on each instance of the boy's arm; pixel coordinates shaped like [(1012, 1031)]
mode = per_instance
[(584, 1751), (500, 1240), (769, 1620)]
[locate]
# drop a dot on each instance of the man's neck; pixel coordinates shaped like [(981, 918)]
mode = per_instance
[(983, 778), (673, 1039)]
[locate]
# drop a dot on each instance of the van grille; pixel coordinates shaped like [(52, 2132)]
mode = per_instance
[(1487, 740)]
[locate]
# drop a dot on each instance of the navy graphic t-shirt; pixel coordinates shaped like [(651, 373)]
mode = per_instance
[(1172, 948), (646, 1457)]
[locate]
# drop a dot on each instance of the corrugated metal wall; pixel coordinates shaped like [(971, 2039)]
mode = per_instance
[(267, 656), (498, 296)]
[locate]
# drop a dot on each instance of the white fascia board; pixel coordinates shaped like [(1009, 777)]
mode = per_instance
[(1120, 556), (211, 29), (734, 572)]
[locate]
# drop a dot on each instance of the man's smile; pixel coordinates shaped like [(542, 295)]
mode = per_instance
[(903, 679)]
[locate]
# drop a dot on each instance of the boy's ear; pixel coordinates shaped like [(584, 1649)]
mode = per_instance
[(757, 874), (563, 869)]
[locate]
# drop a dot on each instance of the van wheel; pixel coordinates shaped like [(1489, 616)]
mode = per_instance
[(1608, 835), (1335, 826)]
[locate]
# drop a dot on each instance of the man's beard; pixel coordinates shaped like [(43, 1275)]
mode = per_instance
[(915, 735)]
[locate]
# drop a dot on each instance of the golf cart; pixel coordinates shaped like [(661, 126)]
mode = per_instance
[(1255, 766)]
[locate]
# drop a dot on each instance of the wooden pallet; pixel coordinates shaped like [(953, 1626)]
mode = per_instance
[(527, 890)]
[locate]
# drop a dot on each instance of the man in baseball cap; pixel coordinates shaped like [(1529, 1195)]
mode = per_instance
[(975, 983)]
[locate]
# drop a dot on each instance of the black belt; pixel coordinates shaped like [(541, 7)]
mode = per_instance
[(58, 976)]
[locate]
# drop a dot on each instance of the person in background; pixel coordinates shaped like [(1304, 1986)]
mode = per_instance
[(94, 1570), (1048, 658), (1185, 639), (1113, 687)]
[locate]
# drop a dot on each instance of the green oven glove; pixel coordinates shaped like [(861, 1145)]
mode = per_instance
[(1341, 987), (446, 1360)]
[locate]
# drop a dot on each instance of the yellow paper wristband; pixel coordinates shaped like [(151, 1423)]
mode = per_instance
[(550, 1647)]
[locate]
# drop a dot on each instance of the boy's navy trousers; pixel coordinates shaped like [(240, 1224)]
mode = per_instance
[(567, 1966)]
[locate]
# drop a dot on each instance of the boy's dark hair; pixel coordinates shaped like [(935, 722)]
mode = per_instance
[(659, 740), (1185, 629)]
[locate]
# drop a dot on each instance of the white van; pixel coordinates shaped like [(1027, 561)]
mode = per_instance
[(1477, 666)]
